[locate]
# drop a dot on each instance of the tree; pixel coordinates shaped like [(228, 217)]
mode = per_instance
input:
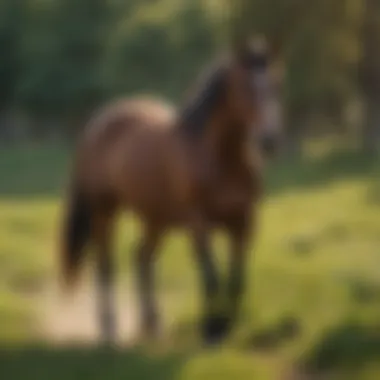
[(369, 70)]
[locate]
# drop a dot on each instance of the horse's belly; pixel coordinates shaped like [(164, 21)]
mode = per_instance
[(228, 204), (155, 180)]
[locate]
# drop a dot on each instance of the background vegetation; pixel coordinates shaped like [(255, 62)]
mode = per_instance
[(62, 58), (313, 303)]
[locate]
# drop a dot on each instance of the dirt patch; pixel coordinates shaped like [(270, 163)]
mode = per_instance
[(74, 319)]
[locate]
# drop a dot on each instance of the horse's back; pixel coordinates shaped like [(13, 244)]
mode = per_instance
[(125, 115)]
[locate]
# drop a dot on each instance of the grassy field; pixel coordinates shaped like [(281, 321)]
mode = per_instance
[(316, 264)]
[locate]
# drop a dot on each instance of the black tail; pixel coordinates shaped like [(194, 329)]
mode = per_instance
[(76, 233)]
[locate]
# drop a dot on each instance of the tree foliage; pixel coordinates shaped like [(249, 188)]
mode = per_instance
[(61, 58)]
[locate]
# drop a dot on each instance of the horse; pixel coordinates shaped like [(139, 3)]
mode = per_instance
[(197, 167)]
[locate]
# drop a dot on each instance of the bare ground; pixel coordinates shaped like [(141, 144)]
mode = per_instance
[(74, 319)]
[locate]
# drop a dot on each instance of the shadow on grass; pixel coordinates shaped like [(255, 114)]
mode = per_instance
[(274, 337), (346, 349), (303, 245), (82, 363), (364, 291)]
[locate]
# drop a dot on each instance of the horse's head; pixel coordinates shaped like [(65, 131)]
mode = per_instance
[(253, 93)]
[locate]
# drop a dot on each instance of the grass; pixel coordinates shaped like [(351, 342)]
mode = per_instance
[(314, 277)]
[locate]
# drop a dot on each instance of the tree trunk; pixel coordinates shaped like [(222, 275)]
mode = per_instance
[(370, 76), (371, 127), (295, 120)]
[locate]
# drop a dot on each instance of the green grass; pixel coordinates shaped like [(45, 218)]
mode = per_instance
[(316, 263)]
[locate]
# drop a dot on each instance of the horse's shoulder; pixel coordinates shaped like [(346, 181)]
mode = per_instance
[(126, 113), (154, 111)]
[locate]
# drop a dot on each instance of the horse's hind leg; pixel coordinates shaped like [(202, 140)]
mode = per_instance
[(145, 259), (103, 228)]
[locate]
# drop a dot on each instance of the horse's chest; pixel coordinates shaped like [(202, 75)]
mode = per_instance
[(228, 198)]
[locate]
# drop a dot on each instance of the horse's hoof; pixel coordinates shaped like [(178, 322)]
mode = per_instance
[(215, 329)]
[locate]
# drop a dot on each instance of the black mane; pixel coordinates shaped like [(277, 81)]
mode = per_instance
[(197, 110)]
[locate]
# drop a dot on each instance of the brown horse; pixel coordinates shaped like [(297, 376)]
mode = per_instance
[(198, 168)]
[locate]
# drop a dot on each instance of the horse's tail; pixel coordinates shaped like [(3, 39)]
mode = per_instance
[(75, 234)]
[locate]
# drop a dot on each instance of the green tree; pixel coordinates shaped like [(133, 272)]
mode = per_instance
[(369, 71)]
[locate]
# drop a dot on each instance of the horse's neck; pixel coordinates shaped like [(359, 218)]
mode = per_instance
[(221, 144), (230, 141)]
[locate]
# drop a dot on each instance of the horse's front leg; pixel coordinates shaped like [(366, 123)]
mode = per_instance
[(145, 260), (211, 320), (239, 234)]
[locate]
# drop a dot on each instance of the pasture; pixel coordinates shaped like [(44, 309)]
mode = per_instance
[(314, 285)]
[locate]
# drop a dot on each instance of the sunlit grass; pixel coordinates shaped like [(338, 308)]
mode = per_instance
[(316, 259)]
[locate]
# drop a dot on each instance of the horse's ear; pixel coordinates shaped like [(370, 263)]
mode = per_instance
[(248, 45)]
